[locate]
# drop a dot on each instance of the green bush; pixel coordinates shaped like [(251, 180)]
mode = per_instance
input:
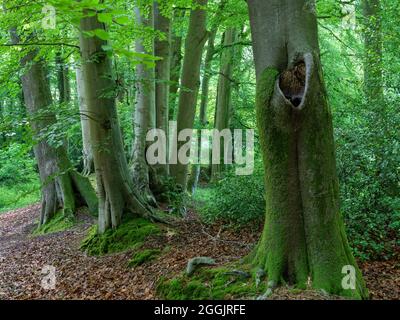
[(19, 183), (235, 199), (17, 164)]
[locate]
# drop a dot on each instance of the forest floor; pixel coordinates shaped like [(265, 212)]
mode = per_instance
[(79, 276)]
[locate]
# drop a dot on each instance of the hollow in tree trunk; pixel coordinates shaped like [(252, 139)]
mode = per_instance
[(304, 239)]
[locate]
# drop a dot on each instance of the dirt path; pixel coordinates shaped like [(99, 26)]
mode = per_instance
[(78, 276)]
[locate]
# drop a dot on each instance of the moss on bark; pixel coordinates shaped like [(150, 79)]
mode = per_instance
[(304, 240)]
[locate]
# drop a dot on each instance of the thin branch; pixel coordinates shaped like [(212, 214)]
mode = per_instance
[(40, 44)]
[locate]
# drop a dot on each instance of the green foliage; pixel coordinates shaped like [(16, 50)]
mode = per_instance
[(234, 199), (173, 195), (17, 164), (143, 256), (209, 284), (19, 185), (19, 195), (129, 235), (58, 223)]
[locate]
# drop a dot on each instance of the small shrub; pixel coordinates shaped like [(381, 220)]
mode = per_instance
[(236, 199)]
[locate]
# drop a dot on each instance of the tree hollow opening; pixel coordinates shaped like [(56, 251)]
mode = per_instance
[(292, 83)]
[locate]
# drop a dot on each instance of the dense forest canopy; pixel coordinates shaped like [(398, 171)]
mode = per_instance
[(310, 88)]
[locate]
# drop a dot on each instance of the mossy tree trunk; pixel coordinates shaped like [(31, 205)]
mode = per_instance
[(304, 240), (117, 194), (62, 188), (196, 38)]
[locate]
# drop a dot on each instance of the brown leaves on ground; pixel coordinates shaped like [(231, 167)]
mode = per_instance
[(78, 276)]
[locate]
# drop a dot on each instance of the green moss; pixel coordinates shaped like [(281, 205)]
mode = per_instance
[(214, 284), (59, 222), (129, 235), (144, 256)]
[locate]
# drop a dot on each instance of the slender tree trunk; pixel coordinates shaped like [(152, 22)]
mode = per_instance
[(162, 74), (222, 108), (196, 38), (175, 65), (205, 83), (373, 81), (88, 165), (145, 111), (64, 88), (62, 187), (304, 237), (117, 194)]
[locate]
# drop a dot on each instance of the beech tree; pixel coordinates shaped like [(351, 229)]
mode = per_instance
[(145, 110), (372, 17), (116, 191), (175, 63), (162, 75), (222, 108), (304, 237), (88, 166), (195, 40), (62, 188)]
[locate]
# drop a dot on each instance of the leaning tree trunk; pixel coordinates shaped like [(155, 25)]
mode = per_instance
[(162, 75), (222, 108), (62, 187), (196, 38), (88, 165), (145, 111), (117, 194), (304, 239)]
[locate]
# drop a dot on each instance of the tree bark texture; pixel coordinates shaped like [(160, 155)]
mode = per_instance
[(304, 240)]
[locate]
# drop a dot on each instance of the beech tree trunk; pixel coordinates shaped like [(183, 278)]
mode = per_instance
[(117, 195), (304, 239), (62, 187), (175, 65), (222, 108), (88, 165), (373, 80), (162, 75), (205, 83), (196, 38), (145, 111), (64, 88)]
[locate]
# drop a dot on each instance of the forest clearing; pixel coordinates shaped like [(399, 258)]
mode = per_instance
[(199, 150)]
